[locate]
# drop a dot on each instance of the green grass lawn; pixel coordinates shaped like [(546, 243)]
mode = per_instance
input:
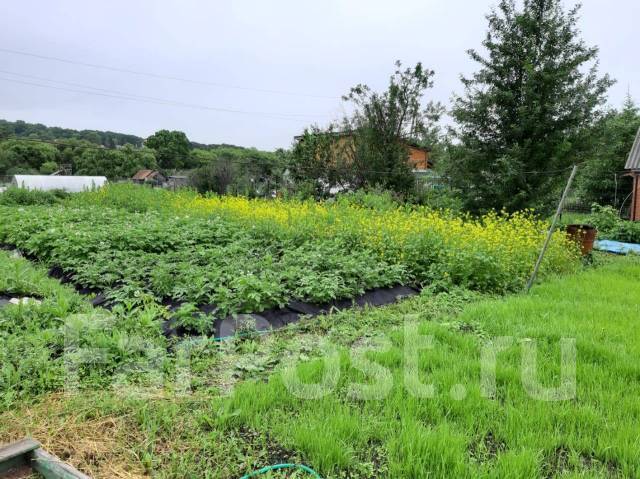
[(241, 414), (594, 434)]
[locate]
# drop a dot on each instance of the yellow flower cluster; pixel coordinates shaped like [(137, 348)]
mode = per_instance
[(494, 252)]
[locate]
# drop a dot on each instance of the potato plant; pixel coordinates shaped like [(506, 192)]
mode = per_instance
[(193, 259)]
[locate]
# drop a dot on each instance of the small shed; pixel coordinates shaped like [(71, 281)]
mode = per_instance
[(149, 177), (633, 169), (177, 181), (71, 184)]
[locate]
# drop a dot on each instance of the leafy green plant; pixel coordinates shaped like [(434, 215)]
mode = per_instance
[(610, 226), (244, 256), (14, 196), (189, 317)]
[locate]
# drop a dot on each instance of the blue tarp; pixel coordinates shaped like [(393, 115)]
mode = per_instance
[(617, 247)]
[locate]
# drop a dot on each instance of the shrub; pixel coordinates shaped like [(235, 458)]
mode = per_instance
[(375, 199), (611, 226), (14, 196), (439, 198)]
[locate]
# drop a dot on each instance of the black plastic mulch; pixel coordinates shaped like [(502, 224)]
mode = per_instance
[(230, 326), (278, 318), (4, 300), (6, 297)]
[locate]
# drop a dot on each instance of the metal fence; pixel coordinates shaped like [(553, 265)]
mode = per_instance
[(577, 206)]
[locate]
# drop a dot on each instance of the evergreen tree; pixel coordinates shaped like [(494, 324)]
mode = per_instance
[(526, 109)]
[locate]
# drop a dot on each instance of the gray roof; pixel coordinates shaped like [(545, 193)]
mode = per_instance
[(633, 162)]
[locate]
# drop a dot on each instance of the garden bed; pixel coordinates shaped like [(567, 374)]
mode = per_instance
[(231, 325), (188, 269), (239, 415), (248, 256)]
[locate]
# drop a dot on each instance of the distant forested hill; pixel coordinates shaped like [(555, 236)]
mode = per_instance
[(33, 148), (108, 139), (213, 146)]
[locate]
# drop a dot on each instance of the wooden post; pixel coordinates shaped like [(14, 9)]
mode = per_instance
[(551, 229)]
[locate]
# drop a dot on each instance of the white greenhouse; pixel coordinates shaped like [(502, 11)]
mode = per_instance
[(72, 184)]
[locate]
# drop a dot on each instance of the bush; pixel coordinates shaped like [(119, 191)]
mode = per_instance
[(605, 218), (440, 198), (48, 168), (14, 196), (303, 190), (611, 226), (372, 198), (216, 177)]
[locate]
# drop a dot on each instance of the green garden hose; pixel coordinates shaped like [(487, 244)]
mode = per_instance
[(282, 466)]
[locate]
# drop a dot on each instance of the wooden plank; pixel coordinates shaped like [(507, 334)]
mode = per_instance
[(18, 448), (16, 454), (52, 467)]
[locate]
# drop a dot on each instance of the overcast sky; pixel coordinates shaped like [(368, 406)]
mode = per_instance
[(278, 64)]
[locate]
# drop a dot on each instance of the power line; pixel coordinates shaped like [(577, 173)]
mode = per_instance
[(164, 77), (550, 172), (155, 99), (80, 85), (152, 100)]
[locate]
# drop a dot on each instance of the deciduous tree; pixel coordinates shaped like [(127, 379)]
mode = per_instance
[(369, 147), (17, 156), (172, 149)]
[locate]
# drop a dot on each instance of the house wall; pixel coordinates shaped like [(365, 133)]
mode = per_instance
[(419, 159), (635, 198)]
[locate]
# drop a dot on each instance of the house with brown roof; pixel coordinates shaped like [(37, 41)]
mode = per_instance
[(633, 170), (149, 177), (419, 156)]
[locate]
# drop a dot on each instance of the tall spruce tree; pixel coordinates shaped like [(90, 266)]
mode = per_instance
[(524, 113)]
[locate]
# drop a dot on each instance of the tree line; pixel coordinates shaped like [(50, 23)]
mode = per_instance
[(219, 168), (108, 139)]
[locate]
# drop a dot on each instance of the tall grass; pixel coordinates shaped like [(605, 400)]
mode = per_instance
[(467, 435)]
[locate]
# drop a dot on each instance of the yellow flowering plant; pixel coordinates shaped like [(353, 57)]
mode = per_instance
[(493, 253)]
